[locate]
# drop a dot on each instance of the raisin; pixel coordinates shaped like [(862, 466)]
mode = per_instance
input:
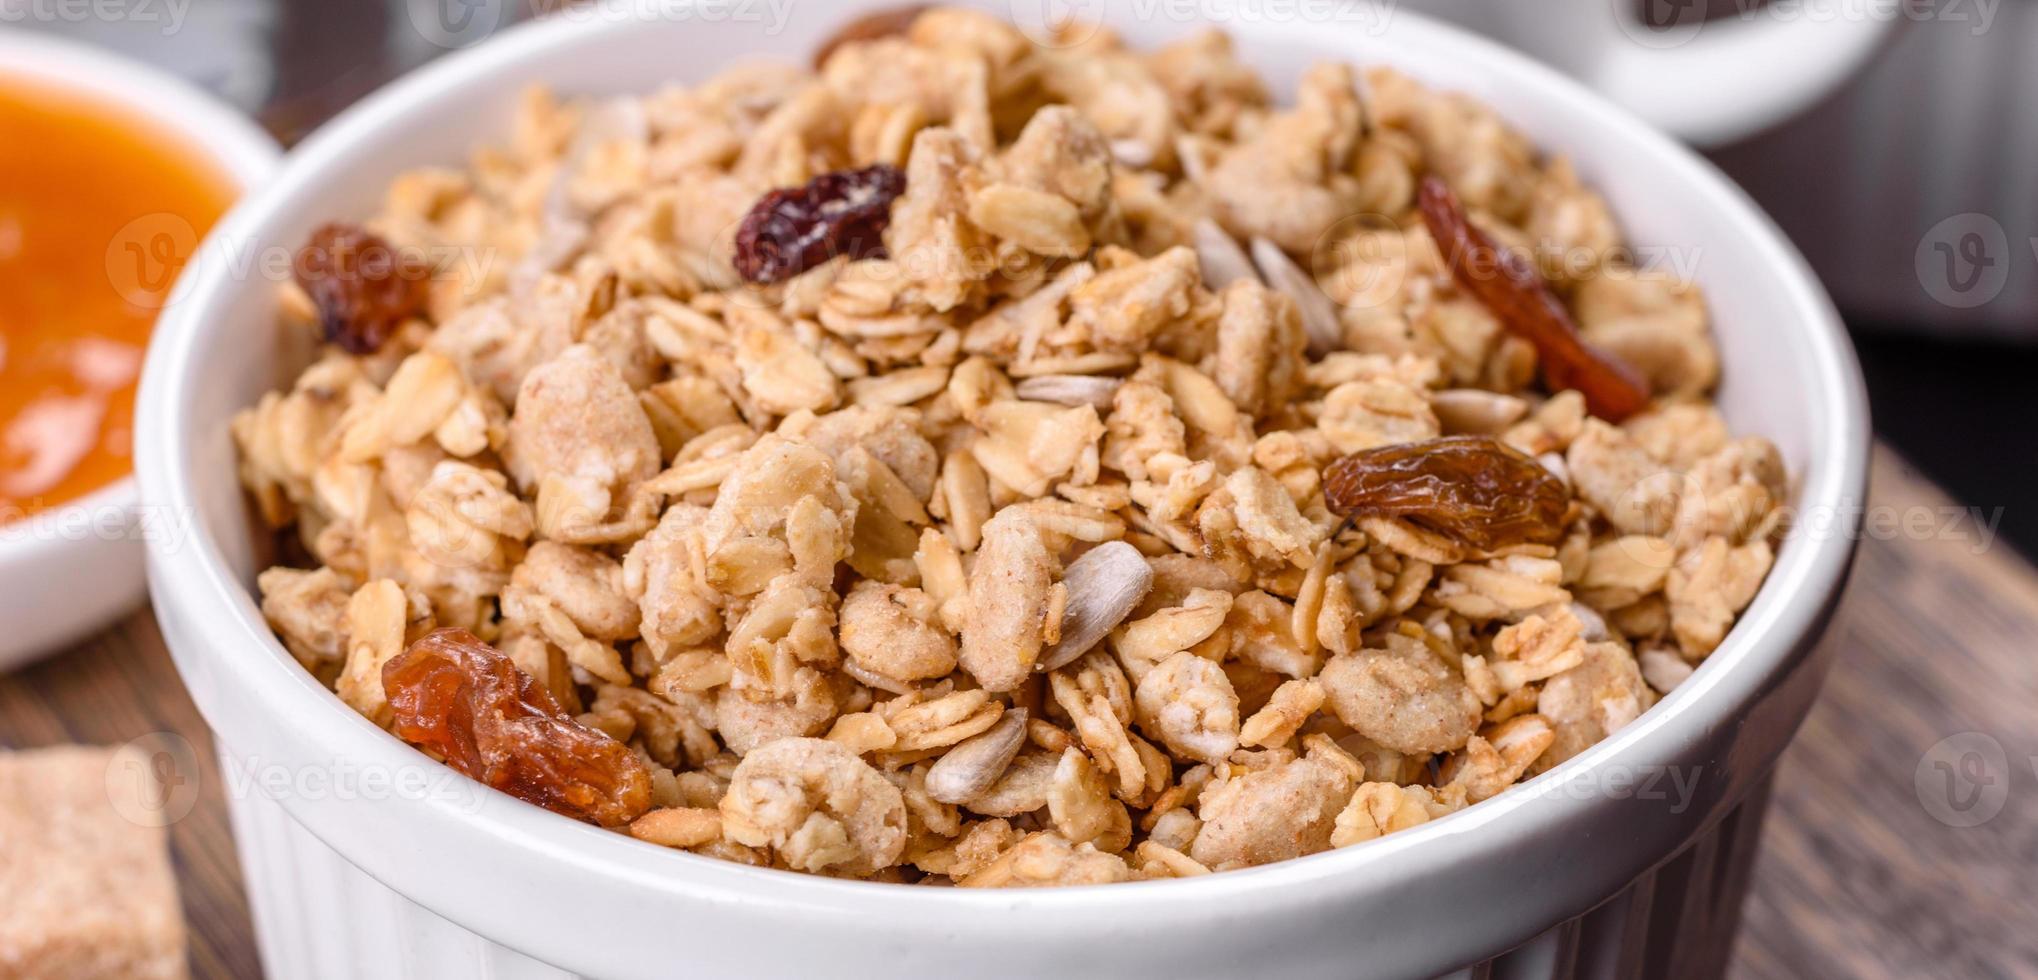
[(1516, 293), (888, 22), (793, 229), (463, 701), (364, 288), (1474, 490)]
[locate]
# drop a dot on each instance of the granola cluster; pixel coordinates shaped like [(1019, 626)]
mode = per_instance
[(1000, 555)]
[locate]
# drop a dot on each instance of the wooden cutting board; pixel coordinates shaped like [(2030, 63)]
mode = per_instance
[(1864, 871)]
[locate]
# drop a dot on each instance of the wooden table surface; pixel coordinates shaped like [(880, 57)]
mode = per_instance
[(1864, 873)]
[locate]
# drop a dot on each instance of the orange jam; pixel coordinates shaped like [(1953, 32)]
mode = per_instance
[(99, 211)]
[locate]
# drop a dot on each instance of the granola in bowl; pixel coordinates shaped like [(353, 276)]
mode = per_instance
[(975, 462)]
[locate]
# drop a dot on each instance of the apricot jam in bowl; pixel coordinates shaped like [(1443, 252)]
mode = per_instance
[(111, 174)]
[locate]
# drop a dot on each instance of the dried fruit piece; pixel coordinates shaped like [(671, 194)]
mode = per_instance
[(363, 287), (1512, 288), (461, 699), (793, 229), (887, 22), (1472, 489)]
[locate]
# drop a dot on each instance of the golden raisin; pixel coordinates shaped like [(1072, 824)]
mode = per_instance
[(1512, 288), (1472, 489), (793, 229), (362, 286), (463, 701)]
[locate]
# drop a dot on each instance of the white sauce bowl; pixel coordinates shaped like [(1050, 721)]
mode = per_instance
[(73, 568)]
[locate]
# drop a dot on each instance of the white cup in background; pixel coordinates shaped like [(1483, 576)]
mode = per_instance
[(1708, 82)]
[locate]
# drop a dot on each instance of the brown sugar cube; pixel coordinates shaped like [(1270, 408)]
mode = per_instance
[(85, 869)]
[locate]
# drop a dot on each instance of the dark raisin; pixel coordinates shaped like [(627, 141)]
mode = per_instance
[(793, 229), (888, 22), (1472, 489), (1516, 293), (467, 703), (363, 287)]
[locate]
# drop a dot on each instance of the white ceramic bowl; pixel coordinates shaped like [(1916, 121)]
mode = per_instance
[(423, 876), (69, 570)]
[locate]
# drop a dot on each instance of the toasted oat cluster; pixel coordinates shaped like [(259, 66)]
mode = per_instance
[(981, 537)]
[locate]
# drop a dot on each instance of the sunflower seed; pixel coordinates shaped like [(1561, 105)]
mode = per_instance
[(1070, 390), (1195, 160), (1663, 669), (1594, 624), (1319, 314), (1104, 586), (1554, 462), (1475, 411), (964, 772), (1223, 261), (1132, 153)]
